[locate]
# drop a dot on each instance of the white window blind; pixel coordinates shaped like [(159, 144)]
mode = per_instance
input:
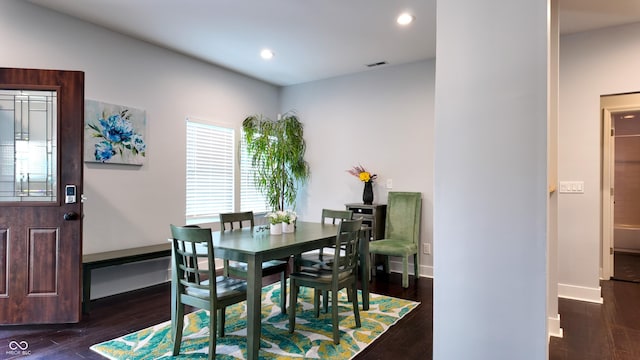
[(250, 198), (209, 170)]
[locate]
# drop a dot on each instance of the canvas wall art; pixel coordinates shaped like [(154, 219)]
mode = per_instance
[(114, 134)]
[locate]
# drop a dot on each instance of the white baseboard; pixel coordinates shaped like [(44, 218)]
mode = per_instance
[(581, 293), (553, 326), (425, 270)]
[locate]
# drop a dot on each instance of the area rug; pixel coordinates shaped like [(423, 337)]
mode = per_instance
[(312, 338)]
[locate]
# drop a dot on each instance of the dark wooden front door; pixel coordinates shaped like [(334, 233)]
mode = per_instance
[(41, 139)]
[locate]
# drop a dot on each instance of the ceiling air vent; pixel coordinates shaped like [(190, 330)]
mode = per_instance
[(377, 64)]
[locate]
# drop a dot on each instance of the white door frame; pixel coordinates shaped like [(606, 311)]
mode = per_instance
[(608, 164)]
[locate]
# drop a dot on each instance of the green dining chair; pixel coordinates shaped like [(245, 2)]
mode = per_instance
[(402, 232), (321, 257), (342, 274), (198, 286), (316, 257), (231, 221)]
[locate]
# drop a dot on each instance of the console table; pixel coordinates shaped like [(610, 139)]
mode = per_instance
[(373, 216)]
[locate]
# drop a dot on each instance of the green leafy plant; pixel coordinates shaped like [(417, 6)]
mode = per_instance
[(277, 150)]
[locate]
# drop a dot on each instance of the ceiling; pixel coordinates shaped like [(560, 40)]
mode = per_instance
[(311, 39)]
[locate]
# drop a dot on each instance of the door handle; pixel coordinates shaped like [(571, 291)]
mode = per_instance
[(70, 216)]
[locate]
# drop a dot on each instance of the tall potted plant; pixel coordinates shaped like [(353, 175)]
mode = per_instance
[(277, 150)]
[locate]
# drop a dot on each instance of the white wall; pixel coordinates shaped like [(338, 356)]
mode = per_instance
[(381, 119), (132, 206), (490, 195), (591, 64)]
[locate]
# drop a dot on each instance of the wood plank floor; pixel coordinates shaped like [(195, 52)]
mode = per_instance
[(597, 332), (592, 331), (626, 266)]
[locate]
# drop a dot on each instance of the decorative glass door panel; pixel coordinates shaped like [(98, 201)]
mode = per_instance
[(28, 146)]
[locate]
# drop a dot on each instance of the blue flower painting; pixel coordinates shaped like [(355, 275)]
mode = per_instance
[(114, 134)]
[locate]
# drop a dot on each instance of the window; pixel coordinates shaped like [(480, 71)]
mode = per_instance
[(211, 174), (209, 171), (28, 146), (250, 198)]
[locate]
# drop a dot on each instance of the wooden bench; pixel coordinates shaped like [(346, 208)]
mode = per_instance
[(116, 257)]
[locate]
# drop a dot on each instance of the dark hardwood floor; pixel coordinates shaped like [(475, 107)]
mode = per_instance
[(591, 331), (608, 331), (626, 266)]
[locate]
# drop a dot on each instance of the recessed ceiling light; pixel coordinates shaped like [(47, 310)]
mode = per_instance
[(405, 19), (266, 54)]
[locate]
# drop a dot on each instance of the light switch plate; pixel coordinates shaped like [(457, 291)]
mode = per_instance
[(571, 187)]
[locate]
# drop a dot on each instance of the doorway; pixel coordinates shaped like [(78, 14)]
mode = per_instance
[(621, 177)]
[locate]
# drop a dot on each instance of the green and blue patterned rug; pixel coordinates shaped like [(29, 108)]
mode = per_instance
[(312, 338)]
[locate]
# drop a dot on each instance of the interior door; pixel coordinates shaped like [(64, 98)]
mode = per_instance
[(41, 139)]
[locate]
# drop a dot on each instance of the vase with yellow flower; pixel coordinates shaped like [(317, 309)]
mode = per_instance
[(367, 178)]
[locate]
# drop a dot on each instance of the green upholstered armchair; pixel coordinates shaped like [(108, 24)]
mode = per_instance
[(402, 232)]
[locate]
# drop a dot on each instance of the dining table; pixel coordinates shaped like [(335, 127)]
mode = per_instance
[(254, 245)]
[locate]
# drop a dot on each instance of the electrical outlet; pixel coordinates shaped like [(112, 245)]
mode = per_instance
[(426, 248)]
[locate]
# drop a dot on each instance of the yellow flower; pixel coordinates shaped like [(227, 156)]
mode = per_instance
[(362, 174)]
